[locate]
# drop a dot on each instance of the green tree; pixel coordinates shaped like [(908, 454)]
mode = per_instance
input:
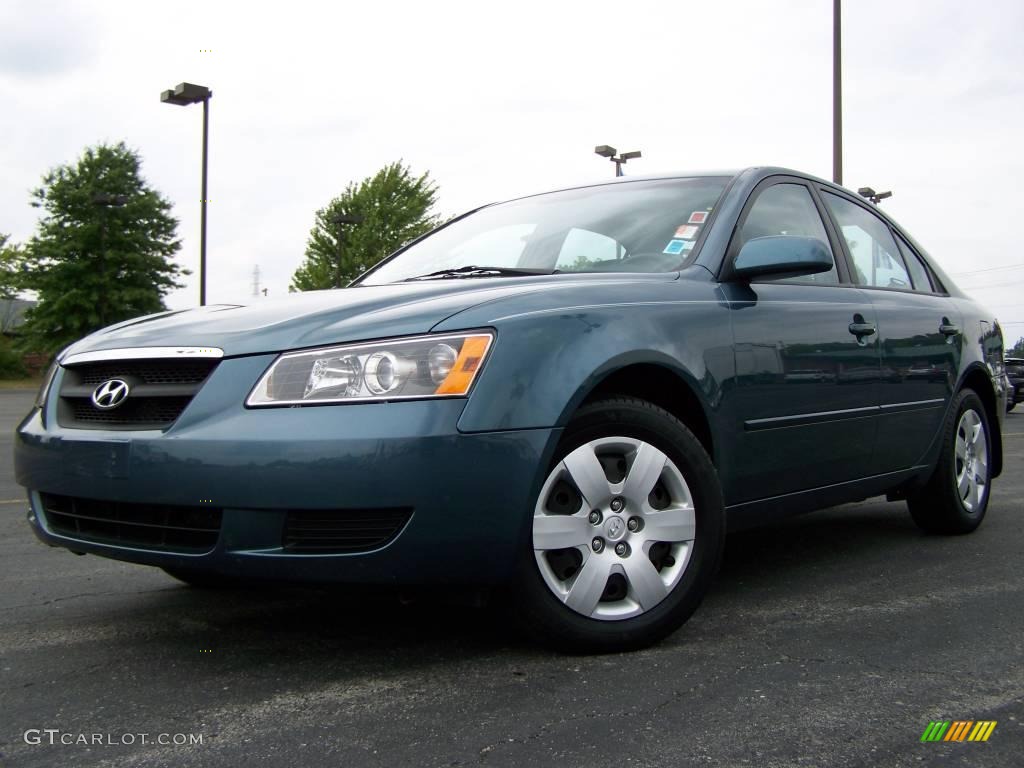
[(1017, 350), (365, 223), (102, 249), (12, 259)]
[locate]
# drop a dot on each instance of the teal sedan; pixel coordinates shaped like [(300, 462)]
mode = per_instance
[(569, 397)]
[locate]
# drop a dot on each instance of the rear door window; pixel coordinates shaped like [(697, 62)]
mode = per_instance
[(876, 258), (918, 271)]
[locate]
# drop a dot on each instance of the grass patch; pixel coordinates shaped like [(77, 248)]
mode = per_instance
[(31, 383)]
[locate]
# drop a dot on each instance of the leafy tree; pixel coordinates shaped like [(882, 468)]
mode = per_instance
[(365, 223), (102, 249), (1017, 350), (11, 259)]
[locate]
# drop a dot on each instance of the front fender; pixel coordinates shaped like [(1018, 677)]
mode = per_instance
[(546, 360)]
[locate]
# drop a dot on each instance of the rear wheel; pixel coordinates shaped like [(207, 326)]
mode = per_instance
[(1010, 405), (627, 531), (956, 497)]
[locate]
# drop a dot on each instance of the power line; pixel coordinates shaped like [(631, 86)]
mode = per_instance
[(989, 269), (993, 285)]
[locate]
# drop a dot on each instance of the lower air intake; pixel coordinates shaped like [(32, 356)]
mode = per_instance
[(343, 530), (168, 528)]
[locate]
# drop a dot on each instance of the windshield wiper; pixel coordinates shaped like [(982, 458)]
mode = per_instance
[(475, 271)]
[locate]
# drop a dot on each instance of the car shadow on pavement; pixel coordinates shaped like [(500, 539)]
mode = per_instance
[(296, 626)]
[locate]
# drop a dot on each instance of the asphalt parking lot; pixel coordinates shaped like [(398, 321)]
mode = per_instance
[(830, 640)]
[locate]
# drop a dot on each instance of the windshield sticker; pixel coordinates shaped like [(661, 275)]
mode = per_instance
[(675, 247), (698, 217), (688, 245), (687, 232)]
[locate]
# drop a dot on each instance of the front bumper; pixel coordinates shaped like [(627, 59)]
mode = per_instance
[(471, 494)]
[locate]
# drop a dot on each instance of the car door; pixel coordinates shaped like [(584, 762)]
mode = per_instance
[(807, 361), (920, 332)]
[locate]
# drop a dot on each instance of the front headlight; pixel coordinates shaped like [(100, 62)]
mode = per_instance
[(423, 366)]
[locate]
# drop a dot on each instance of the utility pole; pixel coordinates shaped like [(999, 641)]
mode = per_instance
[(837, 93)]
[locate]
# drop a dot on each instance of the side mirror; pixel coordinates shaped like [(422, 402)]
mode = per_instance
[(781, 256)]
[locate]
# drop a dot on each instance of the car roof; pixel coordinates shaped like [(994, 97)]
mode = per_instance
[(755, 172)]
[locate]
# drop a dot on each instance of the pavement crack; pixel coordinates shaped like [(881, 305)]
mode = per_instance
[(82, 594)]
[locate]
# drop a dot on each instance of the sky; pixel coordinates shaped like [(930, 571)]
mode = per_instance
[(499, 100)]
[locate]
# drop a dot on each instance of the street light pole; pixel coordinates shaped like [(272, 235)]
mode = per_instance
[(202, 213), (183, 95), (837, 93)]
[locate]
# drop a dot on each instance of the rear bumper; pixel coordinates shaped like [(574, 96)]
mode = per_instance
[(470, 494)]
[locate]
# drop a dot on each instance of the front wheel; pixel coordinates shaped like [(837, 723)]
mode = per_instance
[(956, 497), (626, 534)]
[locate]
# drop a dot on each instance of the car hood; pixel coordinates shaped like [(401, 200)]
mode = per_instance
[(318, 318)]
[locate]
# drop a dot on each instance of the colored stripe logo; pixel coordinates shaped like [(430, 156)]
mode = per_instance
[(958, 730)]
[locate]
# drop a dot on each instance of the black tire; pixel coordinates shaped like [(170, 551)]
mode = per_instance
[(551, 621), (1010, 405), (200, 579), (938, 507)]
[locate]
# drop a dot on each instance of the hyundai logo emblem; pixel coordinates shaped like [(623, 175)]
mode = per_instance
[(110, 394), (615, 528)]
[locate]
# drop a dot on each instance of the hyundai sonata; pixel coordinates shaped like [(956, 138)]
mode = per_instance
[(573, 395)]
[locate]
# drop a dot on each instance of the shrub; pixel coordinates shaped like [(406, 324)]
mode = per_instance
[(12, 366)]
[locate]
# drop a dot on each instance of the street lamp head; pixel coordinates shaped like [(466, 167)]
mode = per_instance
[(605, 151), (874, 197), (185, 94), (629, 155)]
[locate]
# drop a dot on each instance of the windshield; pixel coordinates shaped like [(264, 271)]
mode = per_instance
[(638, 226)]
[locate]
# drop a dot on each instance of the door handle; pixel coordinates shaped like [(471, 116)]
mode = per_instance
[(948, 329), (860, 329)]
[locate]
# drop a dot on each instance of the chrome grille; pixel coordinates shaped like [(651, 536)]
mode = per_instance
[(159, 390), (147, 371)]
